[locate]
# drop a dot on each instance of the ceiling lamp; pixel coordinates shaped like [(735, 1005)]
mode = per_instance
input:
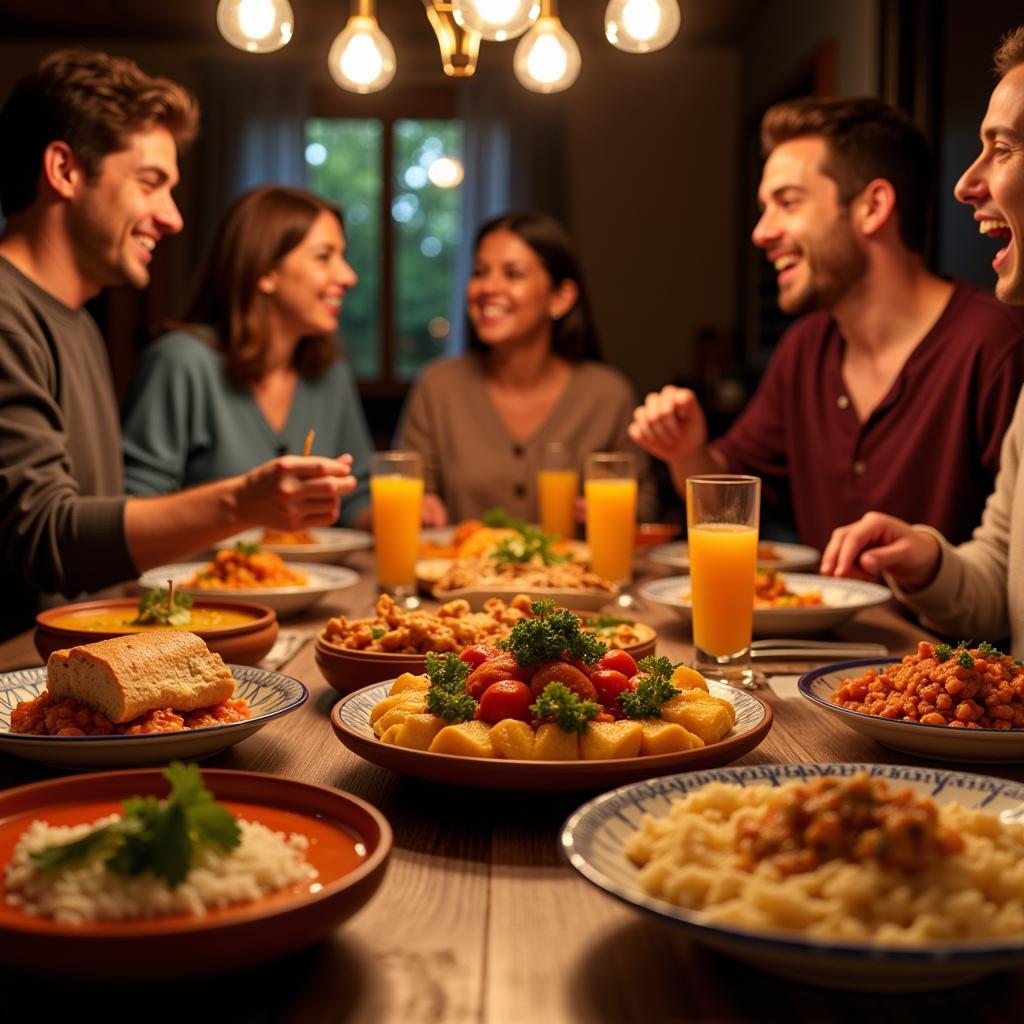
[(497, 20), (460, 44), (547, 58), (362, 58), (256, 26), (639, 26)]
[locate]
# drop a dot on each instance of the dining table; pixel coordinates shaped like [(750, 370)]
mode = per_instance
[(479, 918)]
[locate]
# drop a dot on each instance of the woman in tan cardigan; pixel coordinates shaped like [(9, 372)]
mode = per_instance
[(532, 376)]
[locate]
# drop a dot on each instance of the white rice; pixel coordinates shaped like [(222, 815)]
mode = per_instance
[(263, 862)]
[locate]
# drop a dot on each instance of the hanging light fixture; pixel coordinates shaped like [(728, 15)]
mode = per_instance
[(497, 20), (547, 58), (640, 26), (256, 26), (362, 58), (460, 44)]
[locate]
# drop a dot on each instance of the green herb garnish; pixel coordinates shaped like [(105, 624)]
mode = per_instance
[(531, 543), (164, 608), (964, 659), (987, 650), (447, 697), (246, 548), (559, 704), (377, 632), (549, 636), (607, 621), (654, 688), (499, 519), (943, 652), (158, 836)]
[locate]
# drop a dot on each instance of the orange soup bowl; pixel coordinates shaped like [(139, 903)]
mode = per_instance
[(245, 635)]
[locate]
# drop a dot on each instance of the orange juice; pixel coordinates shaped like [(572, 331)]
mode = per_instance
[(723, 560), (611, 525), (556, 495), (397, 503)]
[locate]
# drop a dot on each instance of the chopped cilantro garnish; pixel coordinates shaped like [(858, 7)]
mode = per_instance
[(164, 608), (559, 704), (447, 697), (246, 548), (549, 636), (377, 632), (158, 836)]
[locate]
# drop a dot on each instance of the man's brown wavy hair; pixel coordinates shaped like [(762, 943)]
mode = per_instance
[(1010, 52), (865, 139), (94, 103)]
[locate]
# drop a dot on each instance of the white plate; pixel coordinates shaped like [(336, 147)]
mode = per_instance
[(594, 836), (843, 599), (321, 579), (269, 694), (994, 746), (333, 544), (789, 556), (580, 600)]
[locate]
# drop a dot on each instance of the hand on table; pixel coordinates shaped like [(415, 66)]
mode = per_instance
[(294, 491), (435, 513), (878, 543)]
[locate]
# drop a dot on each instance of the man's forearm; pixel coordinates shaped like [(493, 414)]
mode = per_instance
[(705, 460)]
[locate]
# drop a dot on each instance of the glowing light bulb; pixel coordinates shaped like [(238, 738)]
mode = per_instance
[(496, 20), (445, 172), (362, 58), (640, 26), (256, 26), (547, 58)]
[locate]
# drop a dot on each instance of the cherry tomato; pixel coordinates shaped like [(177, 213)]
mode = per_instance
[(620, 661), (477, 654), (609, 683), (490, 672), (507, 698)]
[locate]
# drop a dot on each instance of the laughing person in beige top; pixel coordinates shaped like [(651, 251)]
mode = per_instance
[(531, 377), (968, 590)]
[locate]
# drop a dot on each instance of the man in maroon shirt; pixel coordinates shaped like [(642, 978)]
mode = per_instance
[(895, 392)]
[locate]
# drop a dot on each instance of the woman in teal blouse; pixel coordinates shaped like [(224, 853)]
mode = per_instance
[(253, 369)]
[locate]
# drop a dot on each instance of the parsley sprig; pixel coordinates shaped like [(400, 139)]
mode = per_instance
[(246, 548), (158, 836), (654, 688), (557, 703), (531, 543), (550, 635), (447, 697)]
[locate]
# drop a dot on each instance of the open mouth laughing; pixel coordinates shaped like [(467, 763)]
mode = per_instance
[(998, 229)]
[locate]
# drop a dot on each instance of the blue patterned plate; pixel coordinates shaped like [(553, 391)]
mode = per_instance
[(843, 599), (594, 836), (269, 694), (350, 720), (992, 746)]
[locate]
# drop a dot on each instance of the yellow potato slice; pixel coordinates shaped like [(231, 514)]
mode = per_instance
[(396, 716), (707, 718), (611, 739), (466, 739), (417, 731), (413, 701), (552, 744), (661, 737), (686, 678), (512, 739), (703, 695), (407, 681)]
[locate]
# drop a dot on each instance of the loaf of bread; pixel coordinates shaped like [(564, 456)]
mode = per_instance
[(129, 675)]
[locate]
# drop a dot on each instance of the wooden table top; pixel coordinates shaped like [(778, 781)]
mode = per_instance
[(478, 918)]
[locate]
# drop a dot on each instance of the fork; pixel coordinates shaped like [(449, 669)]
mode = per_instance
[(816, 649)]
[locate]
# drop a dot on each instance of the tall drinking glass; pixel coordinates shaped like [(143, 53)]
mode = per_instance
[(558, 483), (610, 490), (722, 513), (396, 493)]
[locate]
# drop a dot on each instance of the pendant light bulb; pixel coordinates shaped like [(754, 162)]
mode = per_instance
[(496, 20), (362, 58), (547, 58), (640, 26), (256, 26)]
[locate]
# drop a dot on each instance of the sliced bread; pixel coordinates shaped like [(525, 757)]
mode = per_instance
[(129, 675)]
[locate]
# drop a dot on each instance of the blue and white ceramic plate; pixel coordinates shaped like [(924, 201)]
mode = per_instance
[(320, 580), (843, 599), (594, 837), (351, 723), (785, 556), (994, 746), (270, 695)]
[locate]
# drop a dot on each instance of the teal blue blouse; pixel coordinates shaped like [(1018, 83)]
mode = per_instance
[(186, 423)]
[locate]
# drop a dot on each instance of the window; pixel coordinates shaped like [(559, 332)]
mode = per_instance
[(397, 179)]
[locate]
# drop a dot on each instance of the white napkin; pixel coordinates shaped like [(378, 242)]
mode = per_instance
[(784, 686), (287, 643)]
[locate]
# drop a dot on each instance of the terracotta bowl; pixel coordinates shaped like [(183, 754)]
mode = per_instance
[(649, 535), (349, 670), (244, 644)]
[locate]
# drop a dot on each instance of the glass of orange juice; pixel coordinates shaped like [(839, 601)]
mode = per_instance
[(722, 513), (558, 483), (610, 490), (396, 495)]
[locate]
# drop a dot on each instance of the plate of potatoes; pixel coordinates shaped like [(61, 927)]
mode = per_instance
[(388, 724)]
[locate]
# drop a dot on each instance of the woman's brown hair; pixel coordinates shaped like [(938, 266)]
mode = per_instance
[(259, 229)]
